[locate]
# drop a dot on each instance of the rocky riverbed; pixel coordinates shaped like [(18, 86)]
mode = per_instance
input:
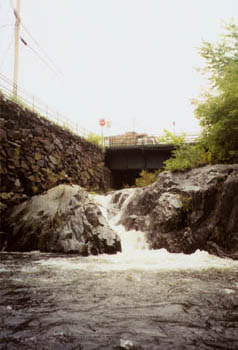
[(139, 277), (181, 212)]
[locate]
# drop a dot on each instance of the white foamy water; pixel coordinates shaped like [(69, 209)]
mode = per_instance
[(131, 241), (143, 260), (139, 298), (135, 252)]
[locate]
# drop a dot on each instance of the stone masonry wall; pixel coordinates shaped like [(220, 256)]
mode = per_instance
[(36, 154)]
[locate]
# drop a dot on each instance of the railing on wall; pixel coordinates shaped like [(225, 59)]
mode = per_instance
[(34, 104)]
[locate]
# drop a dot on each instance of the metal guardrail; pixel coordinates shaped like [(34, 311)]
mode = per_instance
[(34, 104), (140, 140)]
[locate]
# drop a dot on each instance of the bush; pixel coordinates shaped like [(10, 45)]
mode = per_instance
[(188, 156), (94, 138), (146, 178)]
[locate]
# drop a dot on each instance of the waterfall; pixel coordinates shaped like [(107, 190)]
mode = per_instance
[(135, 249), (131, 241)]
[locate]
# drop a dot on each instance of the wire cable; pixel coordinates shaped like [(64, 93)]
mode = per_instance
[(5, 54), (39, 47), (46, 60), (39, 56)]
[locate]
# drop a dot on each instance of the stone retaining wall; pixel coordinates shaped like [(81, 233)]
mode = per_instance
[(36, 154)]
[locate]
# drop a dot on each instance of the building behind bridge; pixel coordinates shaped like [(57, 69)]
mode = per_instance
[(129, 138)]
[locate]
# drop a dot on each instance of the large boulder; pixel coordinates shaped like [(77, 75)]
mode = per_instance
[(64, 219), (182, 212)]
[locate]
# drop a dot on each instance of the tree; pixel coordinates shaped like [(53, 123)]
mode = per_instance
[(218, 109), (219, 56)]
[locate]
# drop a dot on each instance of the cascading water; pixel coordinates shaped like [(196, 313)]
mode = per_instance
[(130, 241), (136, 252), (136, 299)]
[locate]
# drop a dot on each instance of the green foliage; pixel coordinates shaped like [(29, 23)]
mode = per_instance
[(219, 56), (187, 203), (147, 178), (94, 138), (20, 101), (217, 110), (218, 115), (170, 138), (188, 156)]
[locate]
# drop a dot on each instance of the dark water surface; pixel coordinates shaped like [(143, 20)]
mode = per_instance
[(53, 302)]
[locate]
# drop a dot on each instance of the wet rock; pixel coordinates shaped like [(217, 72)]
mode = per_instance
[(64, 219), (17, 183), (3, 241), (3, 135), (183, 212)]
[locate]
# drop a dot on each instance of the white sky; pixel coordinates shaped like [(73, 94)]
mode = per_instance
[(128, 61)]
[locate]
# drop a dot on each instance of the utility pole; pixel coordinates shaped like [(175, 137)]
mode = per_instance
[(16, 48)]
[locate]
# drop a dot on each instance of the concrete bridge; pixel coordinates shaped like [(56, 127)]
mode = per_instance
[(126, 162), (128, 154), (129, 157)]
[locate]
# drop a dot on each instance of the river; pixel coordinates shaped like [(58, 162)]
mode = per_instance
[(137, 299)]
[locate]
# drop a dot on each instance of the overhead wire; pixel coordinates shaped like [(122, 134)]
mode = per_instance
[(39, 56), (38, 45), (5, 54), (41, 53), (8, 25)]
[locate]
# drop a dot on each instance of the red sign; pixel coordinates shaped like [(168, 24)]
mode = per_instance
[(102, 122)]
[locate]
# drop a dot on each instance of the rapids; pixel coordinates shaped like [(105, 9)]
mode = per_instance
[(137, 299)]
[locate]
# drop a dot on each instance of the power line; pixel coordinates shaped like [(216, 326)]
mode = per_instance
[(38, 45), (41, 53), (6, 52), (39, 56)]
